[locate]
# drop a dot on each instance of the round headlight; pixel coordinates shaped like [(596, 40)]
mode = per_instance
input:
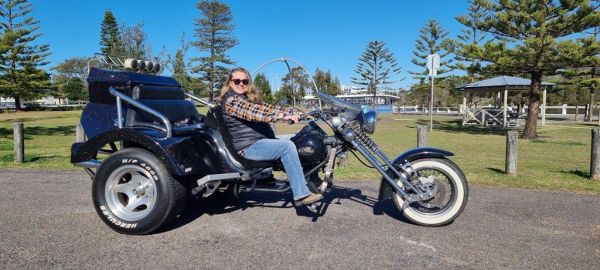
[(370, 120)]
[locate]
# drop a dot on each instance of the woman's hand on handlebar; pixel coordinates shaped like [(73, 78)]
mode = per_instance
[(292, 119)]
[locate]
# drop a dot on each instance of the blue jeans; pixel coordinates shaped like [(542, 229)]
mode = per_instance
[(284, 149)]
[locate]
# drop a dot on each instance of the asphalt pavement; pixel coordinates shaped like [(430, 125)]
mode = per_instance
[(47, 221)]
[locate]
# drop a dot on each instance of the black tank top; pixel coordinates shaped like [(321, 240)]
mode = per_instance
[(243, 132)]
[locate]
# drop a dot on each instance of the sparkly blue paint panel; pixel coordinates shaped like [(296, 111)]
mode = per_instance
[(97, 118)]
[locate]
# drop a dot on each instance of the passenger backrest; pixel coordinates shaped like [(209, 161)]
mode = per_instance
[(214, 119), (167, 100)]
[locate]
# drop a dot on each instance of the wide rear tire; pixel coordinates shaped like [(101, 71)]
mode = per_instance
[(450, 199), (133, 192)]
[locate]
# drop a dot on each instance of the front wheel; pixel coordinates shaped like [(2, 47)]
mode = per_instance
[(452, 191)]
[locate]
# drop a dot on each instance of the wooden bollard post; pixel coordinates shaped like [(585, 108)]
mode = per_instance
[(512, 145), (79, 134), (421, 136), (19, 145), (595, 158)]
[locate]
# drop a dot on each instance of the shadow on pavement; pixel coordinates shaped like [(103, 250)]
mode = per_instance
[(226, 203)]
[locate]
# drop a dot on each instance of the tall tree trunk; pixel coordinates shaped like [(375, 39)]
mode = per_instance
[(17, 103), (211, 95), (530, 131)]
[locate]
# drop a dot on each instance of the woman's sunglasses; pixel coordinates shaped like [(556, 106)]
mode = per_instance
[(238, 81)]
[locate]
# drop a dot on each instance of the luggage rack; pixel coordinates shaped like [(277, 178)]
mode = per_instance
[(129, 64), (107, 60)]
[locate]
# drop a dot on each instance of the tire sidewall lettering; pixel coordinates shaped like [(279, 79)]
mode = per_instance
[(148, 164), (143, 165), (116, 221)]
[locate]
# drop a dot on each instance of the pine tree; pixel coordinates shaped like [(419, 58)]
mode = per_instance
[(21, 59), (530, 39), (466, 47), (264, 88), (327, 83), (180, 67), (375, 68), (111, 43), (214, 33), (432, 39)]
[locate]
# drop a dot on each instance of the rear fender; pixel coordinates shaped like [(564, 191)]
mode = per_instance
[(86, 151), (386, 190)]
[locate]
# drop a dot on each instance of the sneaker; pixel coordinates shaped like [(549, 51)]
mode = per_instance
[(310, 199)]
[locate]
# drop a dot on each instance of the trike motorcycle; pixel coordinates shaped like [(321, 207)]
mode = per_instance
[(148, 149)]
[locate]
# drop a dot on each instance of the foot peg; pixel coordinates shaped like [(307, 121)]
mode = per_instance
[(314, 207), (277, 187)]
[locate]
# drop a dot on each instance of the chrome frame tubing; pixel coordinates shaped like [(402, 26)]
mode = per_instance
[(210, 105), (168, 131)]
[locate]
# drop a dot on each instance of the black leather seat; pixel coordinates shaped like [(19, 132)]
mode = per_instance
[(169, 101), (214, 119)]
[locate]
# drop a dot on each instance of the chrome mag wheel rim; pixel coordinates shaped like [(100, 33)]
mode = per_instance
[(130, 192)]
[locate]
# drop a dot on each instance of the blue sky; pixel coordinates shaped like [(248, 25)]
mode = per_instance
[(326, 34)]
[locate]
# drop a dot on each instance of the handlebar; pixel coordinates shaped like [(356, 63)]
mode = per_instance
[(306, 116)]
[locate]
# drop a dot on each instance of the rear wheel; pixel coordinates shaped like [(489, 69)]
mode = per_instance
[(450, 184), (133, 192)]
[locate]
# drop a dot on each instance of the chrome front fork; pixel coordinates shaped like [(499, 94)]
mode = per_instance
[(381, 168)]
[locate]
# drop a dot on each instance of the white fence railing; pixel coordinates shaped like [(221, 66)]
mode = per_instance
[(550, 110), (425, 110)]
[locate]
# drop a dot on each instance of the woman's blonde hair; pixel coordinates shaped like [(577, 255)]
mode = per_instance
[(251, 93)]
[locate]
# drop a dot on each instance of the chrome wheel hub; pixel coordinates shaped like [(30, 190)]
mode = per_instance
[(130, 192)]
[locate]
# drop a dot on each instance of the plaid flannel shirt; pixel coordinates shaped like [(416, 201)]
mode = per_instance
[(240, 106)]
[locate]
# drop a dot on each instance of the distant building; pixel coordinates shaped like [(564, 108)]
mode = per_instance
[(385, 103), (367, 99), (7, 103), (48, 100), (352, 90)]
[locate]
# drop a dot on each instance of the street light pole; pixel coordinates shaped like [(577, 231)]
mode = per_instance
[(433, 63), (431, 106), (591, 107)]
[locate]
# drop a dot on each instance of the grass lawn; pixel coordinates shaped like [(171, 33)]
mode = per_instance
[(557, 161), (48, 138)]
